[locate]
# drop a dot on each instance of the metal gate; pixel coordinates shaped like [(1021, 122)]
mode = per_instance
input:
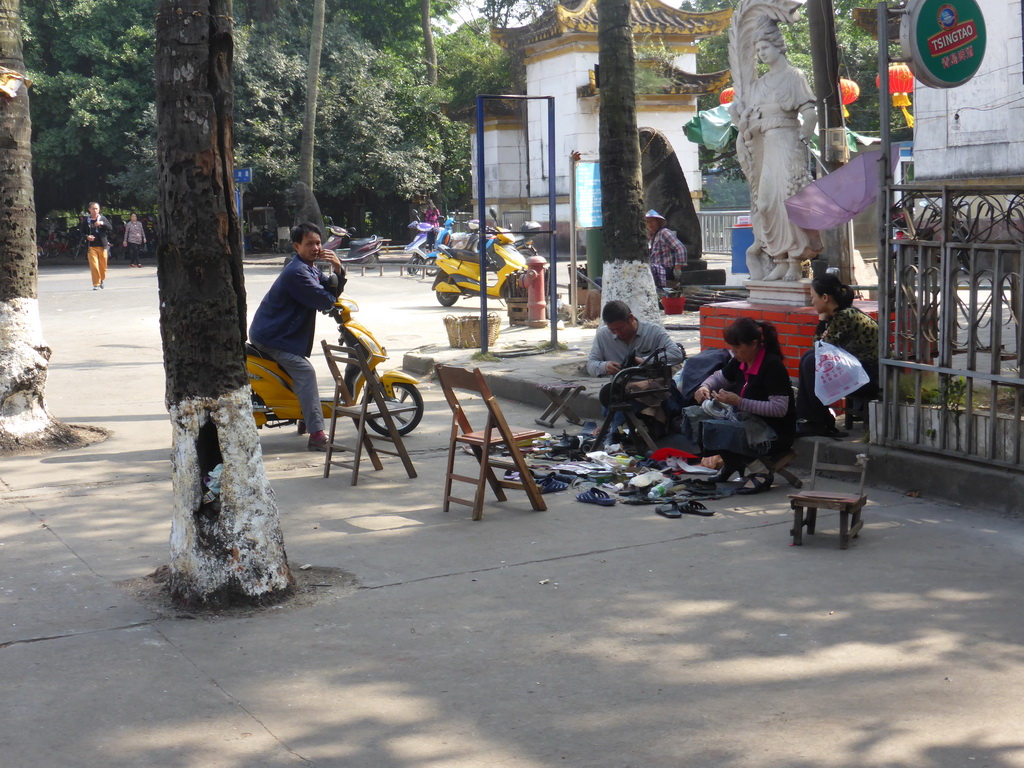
[(952, 290)]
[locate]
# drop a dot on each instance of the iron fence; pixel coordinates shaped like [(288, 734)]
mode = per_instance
[(952, 291), (716, 230)]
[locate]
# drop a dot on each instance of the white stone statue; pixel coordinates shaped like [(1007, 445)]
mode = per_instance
[(772, 144)]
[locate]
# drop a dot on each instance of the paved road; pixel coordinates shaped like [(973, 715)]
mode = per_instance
[(581, 636)]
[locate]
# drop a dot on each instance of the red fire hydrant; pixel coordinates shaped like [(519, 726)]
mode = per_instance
[(536, 287)]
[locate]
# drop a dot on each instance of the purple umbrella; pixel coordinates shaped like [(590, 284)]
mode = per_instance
[(835, 199)]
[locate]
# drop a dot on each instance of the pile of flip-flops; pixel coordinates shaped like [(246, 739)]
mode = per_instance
[(604, 479)]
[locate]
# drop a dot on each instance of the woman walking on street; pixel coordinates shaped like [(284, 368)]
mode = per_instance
[(134, 239)]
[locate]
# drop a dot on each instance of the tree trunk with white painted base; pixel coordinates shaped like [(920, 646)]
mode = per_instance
[(24, 355), (622, 199), (225, 546)]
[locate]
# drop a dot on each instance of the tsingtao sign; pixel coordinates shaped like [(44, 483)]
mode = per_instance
[(944, 41)]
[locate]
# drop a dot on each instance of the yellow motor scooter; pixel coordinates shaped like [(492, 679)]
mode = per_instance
[(274, 403), (458, 269)]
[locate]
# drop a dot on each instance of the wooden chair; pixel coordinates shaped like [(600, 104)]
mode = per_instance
[(848, 504), (373, 405), (496, 434)]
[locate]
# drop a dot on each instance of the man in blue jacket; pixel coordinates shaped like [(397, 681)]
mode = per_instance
[(285, 322)]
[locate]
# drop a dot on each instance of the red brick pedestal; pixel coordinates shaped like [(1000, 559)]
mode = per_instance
[(794, 324)]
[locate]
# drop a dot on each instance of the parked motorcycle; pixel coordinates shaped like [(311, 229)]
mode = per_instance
[(274, 403), (418, 246), (459, 268), (364, 250), (421, 255)]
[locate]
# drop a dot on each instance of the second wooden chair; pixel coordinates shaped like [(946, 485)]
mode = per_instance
[(496, 435)]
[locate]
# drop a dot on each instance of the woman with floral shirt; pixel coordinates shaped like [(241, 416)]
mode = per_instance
[(134, 239), (844, 326)]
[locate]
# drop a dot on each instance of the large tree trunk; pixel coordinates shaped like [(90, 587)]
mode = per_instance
[(627, 275), (316, 46), (24, 420), (229, 547), (429, 52)]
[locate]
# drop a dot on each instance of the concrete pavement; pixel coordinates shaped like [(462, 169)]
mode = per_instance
[(580, 636)]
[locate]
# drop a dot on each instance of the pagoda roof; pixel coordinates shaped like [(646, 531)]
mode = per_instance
[(646, 17), (680, 83)]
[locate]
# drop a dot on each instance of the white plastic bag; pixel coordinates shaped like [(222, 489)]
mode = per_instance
[(837, 373)]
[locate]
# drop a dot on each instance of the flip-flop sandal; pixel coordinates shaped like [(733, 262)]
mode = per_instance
[(669, 510), (701, 485), (550, 485), (695, 508), (759, 483), (596, 496)]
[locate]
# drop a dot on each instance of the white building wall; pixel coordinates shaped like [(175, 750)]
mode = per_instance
[(577, 120), (559, 76), (504, 161), (975, 130)]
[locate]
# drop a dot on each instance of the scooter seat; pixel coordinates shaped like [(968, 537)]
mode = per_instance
[(361, 242), (251, 351)]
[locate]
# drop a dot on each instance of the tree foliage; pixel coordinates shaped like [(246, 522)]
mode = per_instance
[(383, 139)]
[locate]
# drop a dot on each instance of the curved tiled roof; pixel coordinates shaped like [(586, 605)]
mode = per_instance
[(685, 83), (646, 17)]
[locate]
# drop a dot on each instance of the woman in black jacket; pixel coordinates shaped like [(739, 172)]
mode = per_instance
[(755, 383)]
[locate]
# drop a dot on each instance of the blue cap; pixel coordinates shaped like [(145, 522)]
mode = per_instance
[(653, 214)]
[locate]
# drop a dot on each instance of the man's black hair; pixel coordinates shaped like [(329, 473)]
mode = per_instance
[(615, 312), (299, 231)]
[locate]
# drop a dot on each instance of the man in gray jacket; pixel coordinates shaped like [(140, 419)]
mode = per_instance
[(625, 340)]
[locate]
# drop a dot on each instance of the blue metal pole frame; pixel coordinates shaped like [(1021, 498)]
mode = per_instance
[(482, 207)]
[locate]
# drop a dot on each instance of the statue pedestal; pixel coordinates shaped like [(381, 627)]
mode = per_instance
[(794, 324), (791, 294)]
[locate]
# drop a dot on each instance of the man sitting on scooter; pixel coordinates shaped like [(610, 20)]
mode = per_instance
[(283, 326)]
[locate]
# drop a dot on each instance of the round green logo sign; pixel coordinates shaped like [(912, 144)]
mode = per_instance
[(944, 40)]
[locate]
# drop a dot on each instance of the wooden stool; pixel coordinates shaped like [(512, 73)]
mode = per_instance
[(560, 393), (848, 504), (777, 465)]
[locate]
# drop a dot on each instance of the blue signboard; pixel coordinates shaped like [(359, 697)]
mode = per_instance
[(238, 203), (588, 195), (243, 175)]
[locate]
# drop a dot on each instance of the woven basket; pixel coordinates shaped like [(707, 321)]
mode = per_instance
[(464, 331)]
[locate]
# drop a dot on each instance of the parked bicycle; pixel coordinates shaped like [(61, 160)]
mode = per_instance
[(59, 243)]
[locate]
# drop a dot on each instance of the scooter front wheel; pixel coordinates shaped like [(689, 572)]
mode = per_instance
[(405, 394), (415, 265)]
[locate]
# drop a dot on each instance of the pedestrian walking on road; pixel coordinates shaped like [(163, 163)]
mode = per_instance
[(97, 229), (134, 239)]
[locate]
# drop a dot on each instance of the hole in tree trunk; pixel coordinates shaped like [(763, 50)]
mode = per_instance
[(210, 460)]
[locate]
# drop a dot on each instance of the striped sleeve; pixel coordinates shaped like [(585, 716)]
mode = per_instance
[(775, 406)]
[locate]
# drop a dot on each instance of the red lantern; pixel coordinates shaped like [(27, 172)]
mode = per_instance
[(726, 96), (901, 85), (850, 92)]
